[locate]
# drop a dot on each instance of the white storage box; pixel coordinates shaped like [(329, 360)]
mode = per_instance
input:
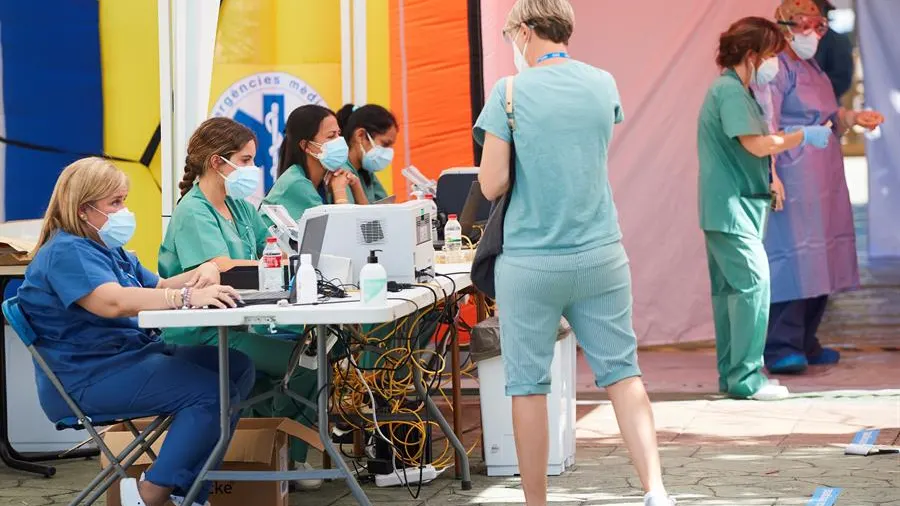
[(496, 413)]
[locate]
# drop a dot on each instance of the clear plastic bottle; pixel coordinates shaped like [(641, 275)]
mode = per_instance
[(271, 270), (434, 217), (308, 289), (453, 239)]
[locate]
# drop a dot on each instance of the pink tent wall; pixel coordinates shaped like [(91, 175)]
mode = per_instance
[(663, 60)]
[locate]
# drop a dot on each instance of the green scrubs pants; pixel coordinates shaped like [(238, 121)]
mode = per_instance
[(739, 275), (270, 356)]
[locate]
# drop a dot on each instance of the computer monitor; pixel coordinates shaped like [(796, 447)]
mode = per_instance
[(313, 238)]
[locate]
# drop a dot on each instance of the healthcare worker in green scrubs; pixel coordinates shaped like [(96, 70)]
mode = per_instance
[(312, 164), (370, 132), (736, 190), (213, 223)]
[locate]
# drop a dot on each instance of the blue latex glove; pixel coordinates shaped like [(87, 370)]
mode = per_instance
[(816, 135)]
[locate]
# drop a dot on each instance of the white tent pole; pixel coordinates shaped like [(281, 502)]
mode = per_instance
[(360, 73), (187, 33), (165, 109), (346, 54)]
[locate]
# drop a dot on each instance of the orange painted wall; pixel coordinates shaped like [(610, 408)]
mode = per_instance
[(438, 100)]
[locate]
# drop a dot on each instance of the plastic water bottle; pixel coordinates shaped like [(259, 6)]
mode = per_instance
[(432, 208), (271, 271), (453, 239), (308, 289)]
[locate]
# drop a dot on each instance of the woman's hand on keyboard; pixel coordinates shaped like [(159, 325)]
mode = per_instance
[(219, 296)]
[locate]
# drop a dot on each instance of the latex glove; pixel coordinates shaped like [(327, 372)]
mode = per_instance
[(816, 135)]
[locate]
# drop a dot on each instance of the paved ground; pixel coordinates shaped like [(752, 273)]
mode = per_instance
[(715, 452)]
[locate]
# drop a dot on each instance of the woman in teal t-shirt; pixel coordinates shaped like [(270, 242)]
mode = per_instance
[(312, 164), (370, 132)]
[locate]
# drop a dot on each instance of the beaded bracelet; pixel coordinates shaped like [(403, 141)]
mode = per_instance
[(186, 298)]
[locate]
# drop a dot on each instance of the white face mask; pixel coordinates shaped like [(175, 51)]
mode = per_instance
[(767, 71), (805, 45), (519, 56)]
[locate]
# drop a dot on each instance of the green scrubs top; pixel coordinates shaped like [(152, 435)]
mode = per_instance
[(374, 190), (734, 184), (296, 193)]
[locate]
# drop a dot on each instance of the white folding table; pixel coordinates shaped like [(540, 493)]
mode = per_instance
[(331, 312)]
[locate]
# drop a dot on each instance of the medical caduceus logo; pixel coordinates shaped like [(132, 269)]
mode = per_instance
[(262, 102)]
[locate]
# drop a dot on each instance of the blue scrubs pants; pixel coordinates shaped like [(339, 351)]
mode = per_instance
[(183, 381), (792, 328)]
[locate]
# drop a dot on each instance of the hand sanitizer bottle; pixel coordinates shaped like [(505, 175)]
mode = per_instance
[(373, 281)]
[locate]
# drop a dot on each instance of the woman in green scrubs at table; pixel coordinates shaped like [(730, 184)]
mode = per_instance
[(213, 223), (312, 164), (370, 132), (735, 193)]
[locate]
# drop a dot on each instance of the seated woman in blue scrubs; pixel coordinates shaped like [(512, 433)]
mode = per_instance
[(213, 223), (370, 132), (312, 164), (82, 293)]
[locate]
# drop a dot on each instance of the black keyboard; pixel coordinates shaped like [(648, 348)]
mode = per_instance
[(256, 298)]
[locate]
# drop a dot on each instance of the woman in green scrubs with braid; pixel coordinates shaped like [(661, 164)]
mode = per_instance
[(735, 149), (213, 223)]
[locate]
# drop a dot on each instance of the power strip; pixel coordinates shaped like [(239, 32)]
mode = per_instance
[(429, 473), (311, 361)]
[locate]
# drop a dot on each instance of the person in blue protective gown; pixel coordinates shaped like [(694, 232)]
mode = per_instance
[(82, 293), (811, 245)]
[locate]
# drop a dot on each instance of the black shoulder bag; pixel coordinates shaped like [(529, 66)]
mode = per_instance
[(491, 244)]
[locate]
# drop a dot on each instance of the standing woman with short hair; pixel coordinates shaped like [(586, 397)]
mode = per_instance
[(735, 149), (562, 250)]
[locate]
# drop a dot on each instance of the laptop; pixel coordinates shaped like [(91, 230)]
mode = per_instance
[(311, 244), (472, 209)]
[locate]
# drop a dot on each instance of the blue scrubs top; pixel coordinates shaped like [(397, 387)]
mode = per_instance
[(81, 347)]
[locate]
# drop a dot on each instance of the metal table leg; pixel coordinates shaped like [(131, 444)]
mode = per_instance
[(448, 431), (224, 419), (323, 373)]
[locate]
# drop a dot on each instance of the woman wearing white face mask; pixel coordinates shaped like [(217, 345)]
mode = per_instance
[(370, 131), (213, 223), (312, 165), (82, 293), (811, 245)]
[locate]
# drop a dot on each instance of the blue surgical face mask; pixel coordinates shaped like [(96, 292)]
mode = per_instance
[(377, 158), (118, 229), (242, 182), (767, 71), (334, 153), (805, 45)]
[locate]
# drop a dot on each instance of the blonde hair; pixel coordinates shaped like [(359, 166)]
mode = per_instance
[(553, 20), (83, 181)]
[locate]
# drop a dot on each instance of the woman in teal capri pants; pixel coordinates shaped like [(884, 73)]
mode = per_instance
[(213, 223), (82, 293), (562, 249)]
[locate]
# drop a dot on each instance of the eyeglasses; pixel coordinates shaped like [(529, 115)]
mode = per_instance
[(802, 23)]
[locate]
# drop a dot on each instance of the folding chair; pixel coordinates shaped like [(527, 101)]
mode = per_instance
[(142, 443)]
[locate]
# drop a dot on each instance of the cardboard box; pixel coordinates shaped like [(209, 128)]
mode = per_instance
[(16, 250), (259, 444)]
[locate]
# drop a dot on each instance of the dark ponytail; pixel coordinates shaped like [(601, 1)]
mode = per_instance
[(372, 118), (302, 125)]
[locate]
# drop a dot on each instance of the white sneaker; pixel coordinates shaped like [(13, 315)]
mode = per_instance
[(659, 500), (128, 493), (314, 484), (771, 392), (177, 500)]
